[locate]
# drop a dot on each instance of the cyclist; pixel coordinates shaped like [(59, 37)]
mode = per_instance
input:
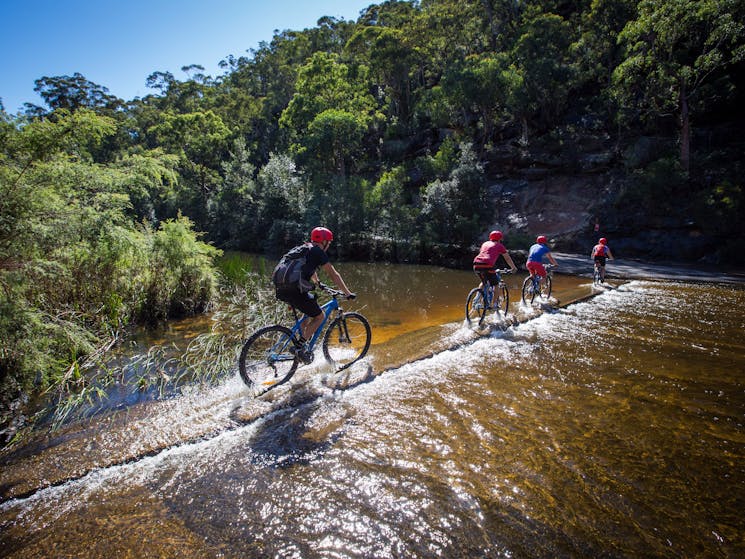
[(535, 257), (320, 240), (485, 263), (600, 253)]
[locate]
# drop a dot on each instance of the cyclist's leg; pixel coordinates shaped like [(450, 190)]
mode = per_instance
[(479, 274), (306, 304), (600, 263), (537, 273), (490, 281)]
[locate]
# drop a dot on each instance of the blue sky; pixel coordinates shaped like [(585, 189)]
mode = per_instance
[(118, 44)]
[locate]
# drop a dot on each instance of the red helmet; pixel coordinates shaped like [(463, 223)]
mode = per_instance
[(321, 234), (603, 241), (541, 239), (495, 236)]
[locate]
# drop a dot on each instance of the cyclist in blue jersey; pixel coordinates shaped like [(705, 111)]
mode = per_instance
[(535, 257)]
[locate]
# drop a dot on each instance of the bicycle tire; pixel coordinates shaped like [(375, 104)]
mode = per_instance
[(528, 294), (596, 276), (475, 308), (504, 299), (545, 290), (265, 360), (347, 340)]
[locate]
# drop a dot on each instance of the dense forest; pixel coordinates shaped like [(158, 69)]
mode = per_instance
[(387, 129)]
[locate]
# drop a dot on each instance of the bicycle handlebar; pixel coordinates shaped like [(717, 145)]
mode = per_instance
[(335, 292)]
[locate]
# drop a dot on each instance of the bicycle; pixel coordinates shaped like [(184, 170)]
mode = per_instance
[(533, 285), (270, 355), (485, 298)]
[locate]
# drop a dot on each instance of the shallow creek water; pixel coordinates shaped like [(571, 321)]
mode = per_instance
[(610, 427)]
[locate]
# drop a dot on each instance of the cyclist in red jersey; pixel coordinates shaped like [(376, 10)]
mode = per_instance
[(485, 263), (600, 253)]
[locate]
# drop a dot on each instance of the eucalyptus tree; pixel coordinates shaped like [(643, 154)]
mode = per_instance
[(329, 107), (200, 140), (479, 94), (454, 207), (543, 59), (74, 92), (390, 58), (681, 56), (598, 51)]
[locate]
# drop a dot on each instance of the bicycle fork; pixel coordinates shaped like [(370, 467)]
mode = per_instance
[(343, 331)]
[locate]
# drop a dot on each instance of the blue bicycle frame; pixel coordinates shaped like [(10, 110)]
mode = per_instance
[(327, 309)]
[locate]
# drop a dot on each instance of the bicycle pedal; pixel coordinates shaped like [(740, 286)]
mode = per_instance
[(305, 355)]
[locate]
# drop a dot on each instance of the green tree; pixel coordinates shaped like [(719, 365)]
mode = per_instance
[(233, 209), (200, 140), (680, 53), (74, 92), (453, 208), (542, 57)]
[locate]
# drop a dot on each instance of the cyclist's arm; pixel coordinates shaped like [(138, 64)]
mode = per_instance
[(336, 277), (610, 255), (551, 259), (508, 259)]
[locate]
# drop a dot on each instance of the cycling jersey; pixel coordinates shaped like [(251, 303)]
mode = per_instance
[(600, 250), (488, 255), (537, 252)]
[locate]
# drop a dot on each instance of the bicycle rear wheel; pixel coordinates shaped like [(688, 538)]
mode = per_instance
[(596, 276), (265, 360), (528, 292), (346, 340), (475, 307)]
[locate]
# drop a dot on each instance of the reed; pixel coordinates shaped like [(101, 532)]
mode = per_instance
[(245, 302)]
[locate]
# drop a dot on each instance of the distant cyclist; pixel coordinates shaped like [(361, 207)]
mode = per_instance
[(535, 257), (600, 253), (485, 263), (299, 296)]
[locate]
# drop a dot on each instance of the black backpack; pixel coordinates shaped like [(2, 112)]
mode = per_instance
[(287, 275)]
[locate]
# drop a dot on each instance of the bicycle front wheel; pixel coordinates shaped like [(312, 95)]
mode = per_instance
[(528, 293), (475, 307), (546, 287), (346, 340), (504, 299), (266, 360)]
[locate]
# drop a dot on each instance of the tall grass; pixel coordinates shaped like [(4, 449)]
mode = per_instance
[(243, 302)]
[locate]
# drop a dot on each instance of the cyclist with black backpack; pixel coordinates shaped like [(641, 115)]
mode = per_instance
[(296, 275)]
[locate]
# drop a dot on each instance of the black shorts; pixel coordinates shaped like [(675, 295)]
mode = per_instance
[(601, 260), (304, 302), (487, 275)]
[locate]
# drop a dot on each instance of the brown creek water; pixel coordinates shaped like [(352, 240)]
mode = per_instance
[(607, 426)]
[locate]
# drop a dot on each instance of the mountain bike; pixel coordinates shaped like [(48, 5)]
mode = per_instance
[(534, 286), (487, 297), (272, 354)]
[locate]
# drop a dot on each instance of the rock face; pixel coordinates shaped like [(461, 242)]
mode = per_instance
[(574, 197), (558, 207)]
